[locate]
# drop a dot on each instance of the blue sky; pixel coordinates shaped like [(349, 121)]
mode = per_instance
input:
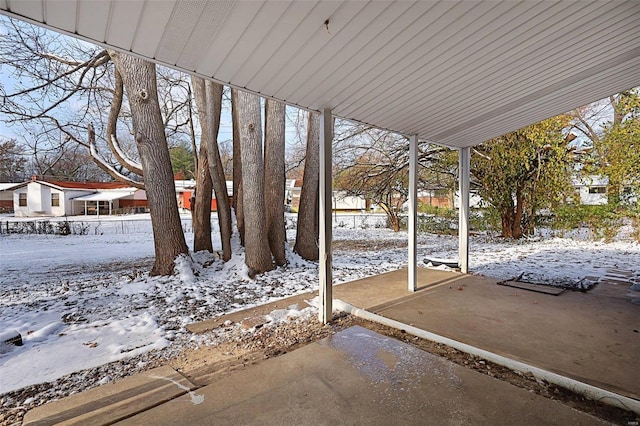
[(7, 83)]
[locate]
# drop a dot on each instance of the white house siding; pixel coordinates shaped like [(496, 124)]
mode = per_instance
[(39, 200), (592, 199), (36, 203), (20, 211), (592, 189), (60, 209), (342, 201)]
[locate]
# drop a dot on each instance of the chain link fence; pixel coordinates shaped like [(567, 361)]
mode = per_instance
[(438, 224), (347, 221), (73, 226)]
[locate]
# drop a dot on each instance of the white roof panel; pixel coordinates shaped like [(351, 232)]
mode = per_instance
[(8, 186), (58, 15), (452, 72), (104, 196), (90, 21)]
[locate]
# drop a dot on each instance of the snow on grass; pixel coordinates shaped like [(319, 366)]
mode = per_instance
[(81, 301), (55, 349), (554, 259)]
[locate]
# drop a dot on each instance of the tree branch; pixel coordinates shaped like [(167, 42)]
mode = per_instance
[(97, 158), (112, 121), (100, 59)]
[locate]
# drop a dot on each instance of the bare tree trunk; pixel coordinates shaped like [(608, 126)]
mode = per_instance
[(214, 107), (112, 121), (274, 179), (507, 221), (139, 78), (257, 253), (392, 217), (510, 226), (192, 129), (209, 103), (201, 209), (237, 167), (517, 217), (308, 217), (194, 145)]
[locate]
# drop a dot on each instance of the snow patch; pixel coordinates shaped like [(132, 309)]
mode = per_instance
[(184, 269)]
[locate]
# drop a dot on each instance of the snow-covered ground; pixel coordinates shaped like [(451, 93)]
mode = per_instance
[(80, 301)]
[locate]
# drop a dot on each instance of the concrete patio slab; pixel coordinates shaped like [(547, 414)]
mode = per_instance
[(360, 377), (112, 402), (592, 337)]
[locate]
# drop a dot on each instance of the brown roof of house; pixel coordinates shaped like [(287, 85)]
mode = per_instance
[(87, 185)]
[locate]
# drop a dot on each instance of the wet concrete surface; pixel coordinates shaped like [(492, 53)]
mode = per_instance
[(361, 377)]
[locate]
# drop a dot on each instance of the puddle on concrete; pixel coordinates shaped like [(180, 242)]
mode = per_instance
[(389, 358), (395, 369)]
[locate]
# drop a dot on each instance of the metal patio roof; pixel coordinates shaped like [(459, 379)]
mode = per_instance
[(105, 195), (453, 72)]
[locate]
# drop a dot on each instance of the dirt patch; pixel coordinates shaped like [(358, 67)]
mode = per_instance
[(237, 348)]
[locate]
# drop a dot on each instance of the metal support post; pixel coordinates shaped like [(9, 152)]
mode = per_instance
[(325, 204), (463, 221), (412, 258)]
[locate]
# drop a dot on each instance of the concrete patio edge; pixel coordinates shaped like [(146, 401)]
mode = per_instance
[(115, 401)]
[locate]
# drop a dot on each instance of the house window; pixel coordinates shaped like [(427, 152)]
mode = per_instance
[(55, 200), (22, 200), (597, 190)]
